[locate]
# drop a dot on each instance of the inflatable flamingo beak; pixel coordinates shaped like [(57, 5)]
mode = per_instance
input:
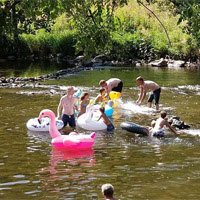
[(93, 135), (39, 121)]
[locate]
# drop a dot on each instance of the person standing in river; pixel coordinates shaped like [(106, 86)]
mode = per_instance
[(113, 84), (66, 108), (144, 87)]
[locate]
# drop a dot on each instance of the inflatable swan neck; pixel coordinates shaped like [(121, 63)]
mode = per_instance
[(52, 128)]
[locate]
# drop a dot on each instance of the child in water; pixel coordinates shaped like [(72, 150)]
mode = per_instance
[(106, 119), (108, 191), (101, 97), (83, 104), (159, 125)]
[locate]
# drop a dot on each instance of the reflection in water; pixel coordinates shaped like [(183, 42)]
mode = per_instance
[(154, 168), (67, 167), (85, 157)]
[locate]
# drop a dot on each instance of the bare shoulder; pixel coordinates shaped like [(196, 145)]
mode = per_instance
[(64, 96)]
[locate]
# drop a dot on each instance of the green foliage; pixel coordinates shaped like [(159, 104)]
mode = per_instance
[(95, 27), (131, 46), (190, 11), (43, 43)]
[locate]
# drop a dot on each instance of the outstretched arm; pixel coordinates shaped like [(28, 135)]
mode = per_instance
[(142, 96), (170, 127)]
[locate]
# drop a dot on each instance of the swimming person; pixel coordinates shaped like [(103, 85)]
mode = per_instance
[(106, 120), (108, 191), (113, 84), (144, 87), (84, 102), (160, 123), (66, 108)]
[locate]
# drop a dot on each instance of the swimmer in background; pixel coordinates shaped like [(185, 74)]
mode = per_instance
[(106, 119), (108, 191), (83, 103), (102, 97), (160, 123)]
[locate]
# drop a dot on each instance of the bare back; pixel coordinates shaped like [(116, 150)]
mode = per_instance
[(150, 85), (160, 122), (111, 83)]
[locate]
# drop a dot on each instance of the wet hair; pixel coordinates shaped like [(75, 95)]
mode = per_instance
[(107, 189), (84, 95), (163, 114), (139, 78), (102, 89), (102, 82), (102, 109)]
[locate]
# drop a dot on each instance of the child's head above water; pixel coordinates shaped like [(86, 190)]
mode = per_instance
[(102, 91), (107, 190)]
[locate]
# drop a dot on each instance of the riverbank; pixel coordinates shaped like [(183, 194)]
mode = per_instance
[(82, 64)]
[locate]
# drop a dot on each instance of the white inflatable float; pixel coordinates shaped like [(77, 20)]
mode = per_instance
[(34, 125), (89, 119)]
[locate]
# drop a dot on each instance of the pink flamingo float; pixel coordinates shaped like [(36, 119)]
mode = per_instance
[(72, 141)]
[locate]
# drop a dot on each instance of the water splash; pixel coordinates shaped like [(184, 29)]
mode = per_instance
[(143, 109), (192, 132)]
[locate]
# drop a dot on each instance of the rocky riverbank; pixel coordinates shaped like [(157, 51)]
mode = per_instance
[(80, 64)]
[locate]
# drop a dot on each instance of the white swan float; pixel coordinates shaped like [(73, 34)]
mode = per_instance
[(34, 125), (89, 119)]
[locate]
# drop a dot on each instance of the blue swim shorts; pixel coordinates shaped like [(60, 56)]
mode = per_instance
[(69, 119), (110, 127), (155, 95), (159, 133)]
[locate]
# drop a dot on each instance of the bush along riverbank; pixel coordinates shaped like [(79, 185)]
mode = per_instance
[(133, 34)]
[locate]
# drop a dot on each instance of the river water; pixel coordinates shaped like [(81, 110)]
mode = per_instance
[(138, 167)]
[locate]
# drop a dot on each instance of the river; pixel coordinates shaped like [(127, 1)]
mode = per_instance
[(138, 167)]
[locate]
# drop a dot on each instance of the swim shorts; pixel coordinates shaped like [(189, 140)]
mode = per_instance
[(118, 88), (155, 95), (110, 127), (69, 119), (159, 133)]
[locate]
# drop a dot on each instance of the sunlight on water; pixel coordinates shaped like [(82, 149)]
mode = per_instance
[(138, 167)]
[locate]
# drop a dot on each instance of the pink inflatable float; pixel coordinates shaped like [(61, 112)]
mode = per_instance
[(71, 141)]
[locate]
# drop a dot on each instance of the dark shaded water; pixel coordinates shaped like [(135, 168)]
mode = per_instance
[(138, 167)]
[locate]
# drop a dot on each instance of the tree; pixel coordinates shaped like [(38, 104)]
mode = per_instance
[(189, 11)]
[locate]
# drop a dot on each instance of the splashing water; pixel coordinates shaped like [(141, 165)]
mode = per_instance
[(143, 109)]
